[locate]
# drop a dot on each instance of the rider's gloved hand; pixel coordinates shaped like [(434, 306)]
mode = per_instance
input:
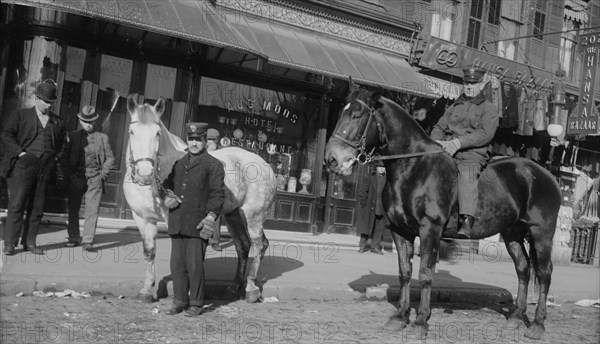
[(450, 147)]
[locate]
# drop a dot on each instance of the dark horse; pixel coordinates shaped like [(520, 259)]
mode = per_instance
[(517, 198)]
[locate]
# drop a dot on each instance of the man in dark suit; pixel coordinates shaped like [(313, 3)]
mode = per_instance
[(87, 160), (372, 219), (197, 182), (31, 139)]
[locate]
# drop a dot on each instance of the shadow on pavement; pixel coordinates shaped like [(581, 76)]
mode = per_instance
[(447, 290)]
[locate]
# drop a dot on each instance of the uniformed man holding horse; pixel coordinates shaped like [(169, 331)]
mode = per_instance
[(465, 132), (195, 197)]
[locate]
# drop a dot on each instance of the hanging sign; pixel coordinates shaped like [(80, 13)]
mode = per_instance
[(584, 120)]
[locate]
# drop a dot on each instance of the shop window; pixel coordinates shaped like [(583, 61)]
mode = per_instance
[(568, 43), (473, 35), (280, 127), (474, 29), (538, 25), (443, 19), (508, 49), (494, 12)]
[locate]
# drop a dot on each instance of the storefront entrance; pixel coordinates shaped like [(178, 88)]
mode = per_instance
[(342, 201)]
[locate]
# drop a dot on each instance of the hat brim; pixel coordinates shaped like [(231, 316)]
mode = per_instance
[(47, 100), (197, 136), (472, 80), (91, 119)]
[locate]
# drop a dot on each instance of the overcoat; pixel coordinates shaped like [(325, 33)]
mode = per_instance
[(369, 198), (200, 185), (20, 130), (472, 121)]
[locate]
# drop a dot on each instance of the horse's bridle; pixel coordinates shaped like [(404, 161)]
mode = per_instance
[(363, 157), (134, 167)]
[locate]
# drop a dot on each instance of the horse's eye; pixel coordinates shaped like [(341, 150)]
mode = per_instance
[(130, 132), (158, 133)]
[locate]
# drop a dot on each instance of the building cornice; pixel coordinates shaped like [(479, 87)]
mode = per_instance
[(322, 22)]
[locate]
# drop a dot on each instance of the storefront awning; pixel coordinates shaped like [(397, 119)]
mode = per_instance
[(280, 44), (192, 20), (321, 54), (443, 88)]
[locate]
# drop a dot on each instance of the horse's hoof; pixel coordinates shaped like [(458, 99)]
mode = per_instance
[(252, 296), (394, 325), (420, 329), (535, 331), (145, 298)]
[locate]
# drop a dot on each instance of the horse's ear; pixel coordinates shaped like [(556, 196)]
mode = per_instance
[(375, 97), (351, 85), (159, 106), (131, 103)]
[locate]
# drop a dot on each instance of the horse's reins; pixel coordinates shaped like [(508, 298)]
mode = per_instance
[(363, 157)]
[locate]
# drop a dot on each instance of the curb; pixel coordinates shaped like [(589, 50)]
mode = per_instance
[(216, 290)]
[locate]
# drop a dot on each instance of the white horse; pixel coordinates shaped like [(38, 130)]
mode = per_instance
[(250, 189)]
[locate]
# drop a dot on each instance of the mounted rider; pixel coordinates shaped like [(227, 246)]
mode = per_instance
[(465, 132)]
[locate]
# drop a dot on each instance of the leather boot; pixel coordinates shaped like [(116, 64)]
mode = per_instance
[(465, 229)]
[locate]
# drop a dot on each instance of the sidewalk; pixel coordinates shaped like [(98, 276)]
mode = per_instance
[(296, 266)]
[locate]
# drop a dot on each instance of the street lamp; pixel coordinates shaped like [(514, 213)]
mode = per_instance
[(554, 128)]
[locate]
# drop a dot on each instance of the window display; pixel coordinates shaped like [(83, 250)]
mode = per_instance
[(280, 127)]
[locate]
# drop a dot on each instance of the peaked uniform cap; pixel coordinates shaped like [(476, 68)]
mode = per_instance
[(196, 129), (473, 74)]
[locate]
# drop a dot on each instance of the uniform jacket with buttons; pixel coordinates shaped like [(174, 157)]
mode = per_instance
[(200, 185), (473, 121)]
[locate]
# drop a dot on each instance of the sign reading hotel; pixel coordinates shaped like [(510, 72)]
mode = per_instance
[(585, 120)]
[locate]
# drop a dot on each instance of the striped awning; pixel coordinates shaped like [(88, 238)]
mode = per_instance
[(279, 43)]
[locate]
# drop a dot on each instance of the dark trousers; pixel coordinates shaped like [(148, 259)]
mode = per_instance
[(378, 226), (92, 188), (187, 270), (469, 167), (26, 191)]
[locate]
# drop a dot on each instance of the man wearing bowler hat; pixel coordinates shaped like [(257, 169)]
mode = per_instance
[(87, 160), (31, 139), (195, 195), (465, 132)]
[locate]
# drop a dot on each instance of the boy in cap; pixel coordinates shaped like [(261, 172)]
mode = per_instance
[(31, 139), (87, 159), (197, 183), (465, 132)]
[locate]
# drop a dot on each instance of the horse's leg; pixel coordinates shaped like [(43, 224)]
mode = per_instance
[(265, 244), (541, 254), (148, 232), (254, 224), (513, 238), (237, 229), (405, 249), (430, 242)]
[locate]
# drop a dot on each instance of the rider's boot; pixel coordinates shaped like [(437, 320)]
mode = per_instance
[(467, 225)]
